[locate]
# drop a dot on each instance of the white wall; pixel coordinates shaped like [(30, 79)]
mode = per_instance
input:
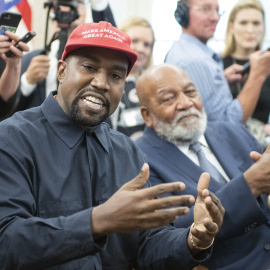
[(160, 13)]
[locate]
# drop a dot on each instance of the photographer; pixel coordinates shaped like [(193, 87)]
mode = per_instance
[(39, 66), (10, 71)]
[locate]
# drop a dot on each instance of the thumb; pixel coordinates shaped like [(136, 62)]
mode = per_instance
[(255, 156), (203, 183), (140, 180), (267, 149)]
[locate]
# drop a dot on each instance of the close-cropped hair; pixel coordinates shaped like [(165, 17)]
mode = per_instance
[(134, 22), (185, 2), (230, 43)]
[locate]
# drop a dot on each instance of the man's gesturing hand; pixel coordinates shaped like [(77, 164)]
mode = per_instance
[(208, 215), (133, 208)]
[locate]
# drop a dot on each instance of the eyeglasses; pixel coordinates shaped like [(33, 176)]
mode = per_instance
[(207, 10)]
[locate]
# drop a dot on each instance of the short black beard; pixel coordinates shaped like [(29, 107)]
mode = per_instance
[(84, 122)]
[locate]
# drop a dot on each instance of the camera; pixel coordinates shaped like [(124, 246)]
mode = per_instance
[(65, 12), (64, 18)]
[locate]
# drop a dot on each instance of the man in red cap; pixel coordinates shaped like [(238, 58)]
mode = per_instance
[(39, 67), (66, 202)]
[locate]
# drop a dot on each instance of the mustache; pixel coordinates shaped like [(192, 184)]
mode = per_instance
[(187, 113), (89, 90)]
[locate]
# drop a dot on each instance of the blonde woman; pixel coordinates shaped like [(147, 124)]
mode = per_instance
[(245, 35), (127, 119)]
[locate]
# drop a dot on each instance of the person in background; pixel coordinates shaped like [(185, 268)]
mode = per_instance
[(74, 192), (198, 19), (127, 118), (10, 73), (180, 144), (101, 11), (245, 35)]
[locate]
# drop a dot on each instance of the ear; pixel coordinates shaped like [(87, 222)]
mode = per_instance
[(61, 70), (146, 116)]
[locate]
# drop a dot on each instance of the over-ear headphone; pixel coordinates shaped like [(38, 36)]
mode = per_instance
[(181, 13)]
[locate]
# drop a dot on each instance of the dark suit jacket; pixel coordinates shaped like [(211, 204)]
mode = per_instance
[(39, 93), (244, 239)]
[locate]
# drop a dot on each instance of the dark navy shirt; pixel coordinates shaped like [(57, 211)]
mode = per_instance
[(52, 173)]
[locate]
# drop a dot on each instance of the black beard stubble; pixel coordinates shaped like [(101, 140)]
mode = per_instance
[(87, 123)]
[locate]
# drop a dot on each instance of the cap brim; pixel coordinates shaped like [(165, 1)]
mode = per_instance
[(132, 56)]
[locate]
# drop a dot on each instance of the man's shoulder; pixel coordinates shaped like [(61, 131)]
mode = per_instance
[(22, 121), (186, 54), (182, 49), (235, 133), (222, 126)]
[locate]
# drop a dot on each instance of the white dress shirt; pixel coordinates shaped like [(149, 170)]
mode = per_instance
[(208, 153)]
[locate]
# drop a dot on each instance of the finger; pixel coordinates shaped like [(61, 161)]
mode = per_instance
[(212, 228), (5, 45), (3, 38), (255, 156), (267, 149), (203, 237), (12, 35), (16, 51), (203, 182), (158, 190), (24, 47), (215, 209), (164, 217), (169, 202), (139, 181)]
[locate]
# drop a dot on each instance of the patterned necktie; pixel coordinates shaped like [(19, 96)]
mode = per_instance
[(205, 164)]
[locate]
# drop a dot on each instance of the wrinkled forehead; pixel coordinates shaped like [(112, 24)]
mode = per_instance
[(170, 79)]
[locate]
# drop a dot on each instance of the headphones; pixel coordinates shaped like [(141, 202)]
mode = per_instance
[(181, 13)]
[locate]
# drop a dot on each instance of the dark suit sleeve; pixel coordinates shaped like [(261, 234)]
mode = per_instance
[(170, 250), (104, 15), (38, 94)]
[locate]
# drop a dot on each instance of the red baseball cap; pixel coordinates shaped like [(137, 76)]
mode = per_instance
[(101, 34)]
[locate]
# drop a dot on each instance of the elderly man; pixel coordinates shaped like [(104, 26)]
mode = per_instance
[(180, 145), (66, 202), (198, 19)]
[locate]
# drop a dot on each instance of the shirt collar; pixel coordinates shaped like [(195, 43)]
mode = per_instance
[(185, 147), (66, 129)]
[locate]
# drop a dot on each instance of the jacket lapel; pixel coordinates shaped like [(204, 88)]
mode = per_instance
[(223, 148), (186, 167)]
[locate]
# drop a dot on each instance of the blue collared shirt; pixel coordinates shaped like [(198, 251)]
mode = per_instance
[(52, 174), (205, 69)]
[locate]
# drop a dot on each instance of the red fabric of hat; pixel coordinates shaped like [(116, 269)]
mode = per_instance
[(101, 34)]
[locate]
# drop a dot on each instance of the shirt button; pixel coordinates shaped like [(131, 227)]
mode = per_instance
[(267, 247)]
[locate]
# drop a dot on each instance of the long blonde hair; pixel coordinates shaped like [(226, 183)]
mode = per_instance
[(138, 21), (230, 44)]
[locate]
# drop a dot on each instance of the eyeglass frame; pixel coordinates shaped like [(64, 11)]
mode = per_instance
[(207, 10)]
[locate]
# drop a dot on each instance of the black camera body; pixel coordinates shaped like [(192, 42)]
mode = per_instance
[(64, 19)]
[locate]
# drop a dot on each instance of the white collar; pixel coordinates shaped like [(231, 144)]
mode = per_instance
[(185, 146)]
